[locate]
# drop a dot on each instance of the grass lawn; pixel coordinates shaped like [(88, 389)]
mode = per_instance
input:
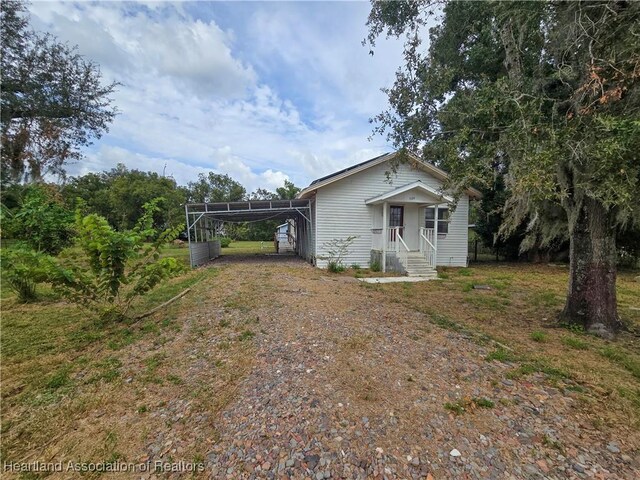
[(181, 252), (519, 310), (249, 248)]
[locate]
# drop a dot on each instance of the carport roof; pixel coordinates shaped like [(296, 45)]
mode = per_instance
[(251, 210)]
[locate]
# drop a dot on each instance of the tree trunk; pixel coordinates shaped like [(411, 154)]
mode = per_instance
[(591, 299)]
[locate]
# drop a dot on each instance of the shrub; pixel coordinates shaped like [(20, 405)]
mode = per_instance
[(335, 267), (375, 266), (119, 266), (22, 269), (337, 249), (224, 242), (42, 222)]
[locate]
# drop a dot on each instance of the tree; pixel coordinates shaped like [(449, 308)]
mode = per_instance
[(263, 194), (53, 100), (215, 187), (119, 266), (120, 194), (288, 191), (546, 91), (41, 221)]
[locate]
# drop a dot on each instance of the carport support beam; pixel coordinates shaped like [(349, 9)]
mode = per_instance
[(186, 214)]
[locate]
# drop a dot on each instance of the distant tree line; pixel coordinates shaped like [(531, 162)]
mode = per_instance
[(43, 212)]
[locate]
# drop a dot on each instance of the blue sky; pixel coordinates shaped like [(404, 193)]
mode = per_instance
[(263, 91)]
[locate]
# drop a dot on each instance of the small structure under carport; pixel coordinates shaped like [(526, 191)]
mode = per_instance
[(205, 222)]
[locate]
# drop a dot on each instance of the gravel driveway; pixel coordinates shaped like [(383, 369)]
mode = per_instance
[(347, 383)]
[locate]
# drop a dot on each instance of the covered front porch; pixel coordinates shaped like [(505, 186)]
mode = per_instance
[(401, 236)]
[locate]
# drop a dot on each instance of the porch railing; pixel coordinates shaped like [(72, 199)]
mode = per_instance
[(427, 246), (397, 244)]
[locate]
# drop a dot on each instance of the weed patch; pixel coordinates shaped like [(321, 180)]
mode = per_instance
[(538, 336), (575, 343), (246, 335), (502, 355), (623, 359), (468, 405)]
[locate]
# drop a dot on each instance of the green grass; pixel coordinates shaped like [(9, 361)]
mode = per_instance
[(246, 335), (537, 366), (249, 248), (622, 358), (483, 402), (468, 404), (456, 407), (538, 336), (575, 343), (502, 355)]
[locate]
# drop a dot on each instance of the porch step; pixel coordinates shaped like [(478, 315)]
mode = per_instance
[(417, 266)]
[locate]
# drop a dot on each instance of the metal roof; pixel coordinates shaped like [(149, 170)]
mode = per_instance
[(251, 210)]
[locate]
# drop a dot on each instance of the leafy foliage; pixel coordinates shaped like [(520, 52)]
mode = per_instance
[(224, 241), (545, 94), (215, 187), (288, 191), (119, 195), (118, 266), (22, 269), (41, 221), (53, 100)]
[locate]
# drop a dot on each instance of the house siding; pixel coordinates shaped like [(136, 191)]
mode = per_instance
[(340, 211)]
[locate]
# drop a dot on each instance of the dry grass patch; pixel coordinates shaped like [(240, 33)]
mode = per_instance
[(519, 309), (75, 389)]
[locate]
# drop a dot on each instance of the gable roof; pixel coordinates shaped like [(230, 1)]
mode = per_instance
[(417, 185), (347, 172)]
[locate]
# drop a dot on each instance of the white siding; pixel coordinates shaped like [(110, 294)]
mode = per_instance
[(312, 240), (340, 212), (454, 246)]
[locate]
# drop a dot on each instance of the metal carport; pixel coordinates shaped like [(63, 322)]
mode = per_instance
[(205, 221)]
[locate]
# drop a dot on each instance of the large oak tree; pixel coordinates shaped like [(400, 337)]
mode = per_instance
[(546, 94), (53, 100)]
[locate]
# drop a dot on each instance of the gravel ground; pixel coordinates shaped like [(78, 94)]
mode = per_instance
[(346, 383)]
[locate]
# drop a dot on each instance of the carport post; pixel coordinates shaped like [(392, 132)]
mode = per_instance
[(186, 214)]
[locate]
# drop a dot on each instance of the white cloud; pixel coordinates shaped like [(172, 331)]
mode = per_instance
[(283, 93)]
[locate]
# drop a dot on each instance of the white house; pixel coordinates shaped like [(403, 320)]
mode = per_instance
[(391, 214)]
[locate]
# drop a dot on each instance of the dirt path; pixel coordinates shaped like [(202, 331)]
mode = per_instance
[(279, 370)]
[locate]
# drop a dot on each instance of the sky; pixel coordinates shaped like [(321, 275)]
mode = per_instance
[(261, 91)]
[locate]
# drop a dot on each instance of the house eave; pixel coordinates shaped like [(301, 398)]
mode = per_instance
[(415, 162), (437, 197)]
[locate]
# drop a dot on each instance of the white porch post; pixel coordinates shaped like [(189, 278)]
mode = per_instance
[(435, 236), (385, 222)]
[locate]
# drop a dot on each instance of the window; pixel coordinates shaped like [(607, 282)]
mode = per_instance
[(443, 219)]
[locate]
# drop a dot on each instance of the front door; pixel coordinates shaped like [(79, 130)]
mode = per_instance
[(396, 219)]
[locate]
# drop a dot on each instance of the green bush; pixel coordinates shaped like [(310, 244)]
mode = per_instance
[(335, 267), (224, 241), (42, 222), (375, 266), (119, 266), (22, 270)]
